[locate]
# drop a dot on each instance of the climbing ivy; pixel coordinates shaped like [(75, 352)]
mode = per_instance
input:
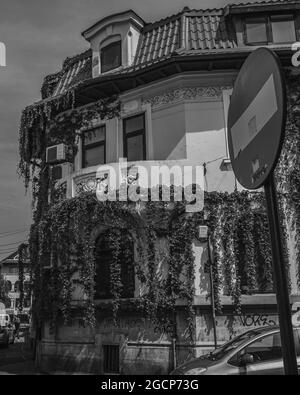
[(62, 247), (287, 172), (22, 263)]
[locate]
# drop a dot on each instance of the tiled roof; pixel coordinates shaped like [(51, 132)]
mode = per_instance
[(12, 257), (159, 41), (79, 70), (185, 33), (207, 32), (76, 69), (264, 2)]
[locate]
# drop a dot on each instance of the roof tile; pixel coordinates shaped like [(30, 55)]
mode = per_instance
[(188, 32)]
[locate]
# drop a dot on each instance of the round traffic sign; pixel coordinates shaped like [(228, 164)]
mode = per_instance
[(256, 118)]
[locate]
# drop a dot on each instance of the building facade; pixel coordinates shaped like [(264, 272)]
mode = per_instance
[(9, 268), (172, 80)]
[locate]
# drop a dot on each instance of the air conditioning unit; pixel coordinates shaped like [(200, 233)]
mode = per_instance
[(56, 153), (61, 172), (203, 232)]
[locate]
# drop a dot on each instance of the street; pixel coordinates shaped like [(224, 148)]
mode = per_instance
[(17, 359)]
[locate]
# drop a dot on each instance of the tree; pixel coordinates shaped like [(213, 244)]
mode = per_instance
[(4, 289)]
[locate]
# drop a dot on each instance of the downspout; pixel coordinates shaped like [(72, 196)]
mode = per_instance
[(211, 278)]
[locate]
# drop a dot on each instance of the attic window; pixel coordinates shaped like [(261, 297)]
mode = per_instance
[(270, 29), (256, 30), (111, 56), (283, 29)]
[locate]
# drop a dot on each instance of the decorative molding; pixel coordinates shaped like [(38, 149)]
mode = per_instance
[(194, 93), (86, 184), (99, 182)]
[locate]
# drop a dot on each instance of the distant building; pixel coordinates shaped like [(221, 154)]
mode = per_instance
[(9, 268)]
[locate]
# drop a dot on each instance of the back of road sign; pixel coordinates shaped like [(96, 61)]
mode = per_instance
[(256, 119)]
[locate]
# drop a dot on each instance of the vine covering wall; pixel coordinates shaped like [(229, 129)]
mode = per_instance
[(61, 237), (63, 245)]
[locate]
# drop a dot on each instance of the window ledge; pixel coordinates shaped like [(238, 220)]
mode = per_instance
[(112, 71), (255, 299)]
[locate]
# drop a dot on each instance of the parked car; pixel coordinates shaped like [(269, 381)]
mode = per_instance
[(4, 319), (255, 352), (6, 335)]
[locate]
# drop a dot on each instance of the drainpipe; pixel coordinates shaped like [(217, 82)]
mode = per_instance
[(213, 307), (174, 340), (174, 352)]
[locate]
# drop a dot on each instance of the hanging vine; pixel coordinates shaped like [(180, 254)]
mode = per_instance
[(287, 172), (62, 249), (22, 263)]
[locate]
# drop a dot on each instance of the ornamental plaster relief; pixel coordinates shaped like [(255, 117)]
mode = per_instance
[(182, 94)]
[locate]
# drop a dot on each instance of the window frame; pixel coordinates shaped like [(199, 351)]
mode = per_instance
[(268, 21), (127, 270), (252, 20), (234, 359), (105, 47), (138, 132), (282, 18), (92, 145)]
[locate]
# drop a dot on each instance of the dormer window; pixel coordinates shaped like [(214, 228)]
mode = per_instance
[(111, 56), (274, 29), (256, 31), (283, 29), (114, 41)]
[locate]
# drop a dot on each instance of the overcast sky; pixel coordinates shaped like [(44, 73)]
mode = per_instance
[(39, 35)]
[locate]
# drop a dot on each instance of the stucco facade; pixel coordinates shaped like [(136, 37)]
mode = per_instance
[(185, 122)]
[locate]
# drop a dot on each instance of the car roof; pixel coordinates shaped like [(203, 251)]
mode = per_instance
[(264, 329)]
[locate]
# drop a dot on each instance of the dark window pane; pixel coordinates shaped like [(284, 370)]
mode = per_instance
[(9, 286), (111, 57), (94, 156), (17, 287), (135, 148), (256, 31), (102, 280), (111, 359), (104, 256), (283, 31), (265, 349), (134, 124), (94, 136)]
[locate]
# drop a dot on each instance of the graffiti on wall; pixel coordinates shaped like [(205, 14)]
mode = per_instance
[(257, 320)]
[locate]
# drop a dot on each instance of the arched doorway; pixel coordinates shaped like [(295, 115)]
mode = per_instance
[(104, 256)]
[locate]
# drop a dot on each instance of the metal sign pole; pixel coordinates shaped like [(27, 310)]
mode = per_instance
[(280, 278)]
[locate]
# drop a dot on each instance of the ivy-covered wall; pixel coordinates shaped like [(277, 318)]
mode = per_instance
[(62, 238)]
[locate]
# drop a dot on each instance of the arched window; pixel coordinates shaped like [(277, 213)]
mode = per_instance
[(105, 256)]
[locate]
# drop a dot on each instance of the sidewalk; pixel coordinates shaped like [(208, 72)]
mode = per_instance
[(26, 368)]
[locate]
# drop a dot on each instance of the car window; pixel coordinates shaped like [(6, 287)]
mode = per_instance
[(297, 341), (220, 352), (267, 348)]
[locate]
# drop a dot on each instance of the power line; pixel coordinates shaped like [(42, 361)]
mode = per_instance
[(3, 235), (11, 244), (6, 252)]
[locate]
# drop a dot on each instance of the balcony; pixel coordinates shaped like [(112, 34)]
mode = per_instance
[(145, 174)]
